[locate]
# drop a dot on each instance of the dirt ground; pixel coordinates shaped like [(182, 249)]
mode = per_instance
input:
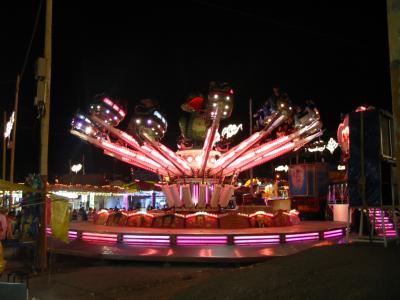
[(356, 271)]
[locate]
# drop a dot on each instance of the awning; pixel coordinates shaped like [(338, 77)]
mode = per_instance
[(9, 186)]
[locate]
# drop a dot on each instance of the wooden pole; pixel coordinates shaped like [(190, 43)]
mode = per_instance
[(44, 134), (4, 146), (393, 19), (14, 130)]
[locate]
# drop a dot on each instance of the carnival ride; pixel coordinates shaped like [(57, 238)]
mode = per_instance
[(193, 177), (198, 181)]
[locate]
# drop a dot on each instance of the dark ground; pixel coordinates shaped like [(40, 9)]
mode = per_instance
[(358, 271)]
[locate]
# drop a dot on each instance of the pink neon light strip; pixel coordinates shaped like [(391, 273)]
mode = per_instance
[(93, 239), (71, 234), (131, 141), (144, 241), (251, 237), (257, 242), (101, 237), (105, 235), (208, 142), (256, 161), (271, 155), (108, 101), (302, 234), (169, 153), (165, 237), (191, 237), (201, 240), (389, 233), (160, 159), (141, 165), (239, 151), (196, 243), (333, 231), (130, 153), (299, 239), (241, 148), (332, 235), (388, 226), (132, 159)]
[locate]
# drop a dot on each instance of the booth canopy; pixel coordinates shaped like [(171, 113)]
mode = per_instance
[(9, 186), (136, 186)]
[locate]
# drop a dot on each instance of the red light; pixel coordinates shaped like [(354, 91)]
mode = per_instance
[(196, 103), (108, 101), (361, 108), (115, 107), (231, 91), (122, 113)]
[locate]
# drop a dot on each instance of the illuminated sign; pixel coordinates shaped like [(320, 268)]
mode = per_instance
[(282, 168), (231, 130), (76, 168), (332, 145), (9, 126), (316, 149)]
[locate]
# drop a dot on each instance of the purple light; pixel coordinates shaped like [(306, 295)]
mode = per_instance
[(299, 239), (252, 237), (165, 237), (332, 235), (146, 242), (389, 233), (256, 240), (199, 243), (201, 240), (302, 234), (201, 237), (72, 235), (302, 237), (333, 231), (146, 239)]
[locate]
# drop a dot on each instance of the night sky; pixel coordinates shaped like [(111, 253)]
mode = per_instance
[(327, 51)]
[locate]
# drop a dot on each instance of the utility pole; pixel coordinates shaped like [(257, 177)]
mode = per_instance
[(4, 145), (14, 130), (44, 134), (393, 18)]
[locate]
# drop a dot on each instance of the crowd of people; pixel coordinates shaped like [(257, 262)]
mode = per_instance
[(17, 224), (82, 214)]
